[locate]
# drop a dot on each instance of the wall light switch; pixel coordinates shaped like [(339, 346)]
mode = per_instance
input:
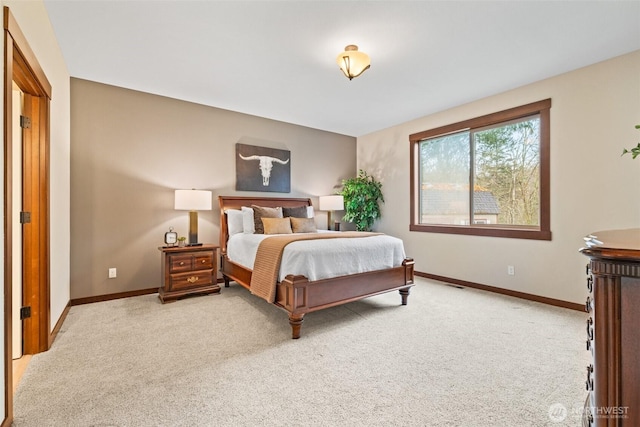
[(112, 273)]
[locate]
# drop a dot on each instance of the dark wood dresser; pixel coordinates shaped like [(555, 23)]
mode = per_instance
[(187, 271), (613, 328)]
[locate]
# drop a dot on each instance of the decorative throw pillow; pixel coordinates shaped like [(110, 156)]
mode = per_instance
[(247, 220), (297, 212), (260, 212), (303, 225), (234, 221), (276, 225)]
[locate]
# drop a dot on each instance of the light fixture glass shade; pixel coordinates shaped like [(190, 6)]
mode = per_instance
[(353, 62), (331, 203), (193, 200)]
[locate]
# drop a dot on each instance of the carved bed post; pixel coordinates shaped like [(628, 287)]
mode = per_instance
[(404, 293), (295, 320), (408, 279)]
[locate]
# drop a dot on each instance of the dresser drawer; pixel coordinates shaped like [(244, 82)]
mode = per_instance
[(181, 262), (203, 261), (191, 279)]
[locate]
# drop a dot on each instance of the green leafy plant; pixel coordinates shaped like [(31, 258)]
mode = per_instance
[(362, 195), (635, 151)]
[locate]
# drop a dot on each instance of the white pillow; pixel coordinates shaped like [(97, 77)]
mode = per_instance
[(248, 225), (234, 221), (310, 212)]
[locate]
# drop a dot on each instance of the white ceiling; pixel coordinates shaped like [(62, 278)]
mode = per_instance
[(276, 59)]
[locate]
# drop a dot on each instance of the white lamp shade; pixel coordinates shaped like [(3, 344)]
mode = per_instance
[(331, 203), (193, 200)]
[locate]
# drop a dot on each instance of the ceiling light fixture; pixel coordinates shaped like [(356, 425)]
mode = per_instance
[(353, 62)]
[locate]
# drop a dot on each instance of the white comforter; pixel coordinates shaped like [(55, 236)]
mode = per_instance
[(323, 258)]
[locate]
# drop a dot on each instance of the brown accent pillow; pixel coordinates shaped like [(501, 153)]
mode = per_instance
[(303, 225), (297, 212), (276, 225), (263, 212)]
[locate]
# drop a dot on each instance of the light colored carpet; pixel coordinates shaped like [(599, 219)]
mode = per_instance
[(452, 357)]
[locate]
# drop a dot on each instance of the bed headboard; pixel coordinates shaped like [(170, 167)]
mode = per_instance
[(236, 202)]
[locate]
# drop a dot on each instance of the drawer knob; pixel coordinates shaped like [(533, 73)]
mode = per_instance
[(192, 279), (204, 261), (181, 262)]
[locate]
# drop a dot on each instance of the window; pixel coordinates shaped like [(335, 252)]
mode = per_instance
[(486, 176)]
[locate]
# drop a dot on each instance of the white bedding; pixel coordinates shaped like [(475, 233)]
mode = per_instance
[(323, 258)]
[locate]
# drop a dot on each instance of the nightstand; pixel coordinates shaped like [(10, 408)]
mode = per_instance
[(189, 270)]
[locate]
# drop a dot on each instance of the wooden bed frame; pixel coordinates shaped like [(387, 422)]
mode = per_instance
[(296, 294)]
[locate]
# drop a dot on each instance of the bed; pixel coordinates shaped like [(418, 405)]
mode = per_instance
[(297, 294)]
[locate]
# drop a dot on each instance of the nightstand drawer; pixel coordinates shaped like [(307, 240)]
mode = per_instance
[(191, 279), (203, 261), (178, 263)]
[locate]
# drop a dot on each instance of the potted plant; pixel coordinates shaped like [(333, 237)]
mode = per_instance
[(182, 241), (362, 195), (635, 151)]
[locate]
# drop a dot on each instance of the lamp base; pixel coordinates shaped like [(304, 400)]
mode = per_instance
[(193, 228), (193, 244)]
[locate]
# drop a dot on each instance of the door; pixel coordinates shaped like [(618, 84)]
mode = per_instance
[(17, 337), (35, 225)]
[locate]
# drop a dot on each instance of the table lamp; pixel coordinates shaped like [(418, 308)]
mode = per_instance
[(331, 204), (193, 201)]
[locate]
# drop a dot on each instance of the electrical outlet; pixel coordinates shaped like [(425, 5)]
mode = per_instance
[(511, 270), (113, 273)]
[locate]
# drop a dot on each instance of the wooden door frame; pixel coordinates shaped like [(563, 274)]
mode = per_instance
[(21, 66)]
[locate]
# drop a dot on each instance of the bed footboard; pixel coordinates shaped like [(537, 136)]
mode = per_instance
[(298, 296)]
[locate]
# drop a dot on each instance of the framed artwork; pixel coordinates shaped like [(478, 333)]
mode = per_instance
[(262, 169)]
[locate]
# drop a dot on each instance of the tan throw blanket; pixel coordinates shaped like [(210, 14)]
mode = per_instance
[(266, 267)]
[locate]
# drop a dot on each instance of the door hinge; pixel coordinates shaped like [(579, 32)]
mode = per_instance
[(25, 217), (25, 122), (25, 312)]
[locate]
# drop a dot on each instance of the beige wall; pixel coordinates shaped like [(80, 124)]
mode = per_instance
[(594, 111), (131, 150)]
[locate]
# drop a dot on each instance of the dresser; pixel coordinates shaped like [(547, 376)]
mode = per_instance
[(188, 271), (613, 328)]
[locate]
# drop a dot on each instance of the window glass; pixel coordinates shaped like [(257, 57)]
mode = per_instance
[(444, 171), (507, 174)]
